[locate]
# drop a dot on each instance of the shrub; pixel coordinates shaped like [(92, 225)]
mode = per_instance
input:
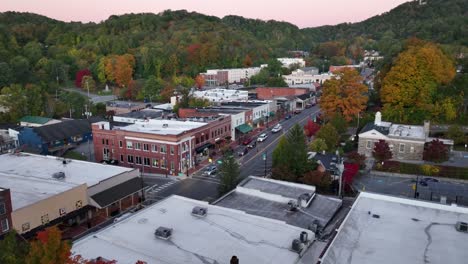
[(429, 170)]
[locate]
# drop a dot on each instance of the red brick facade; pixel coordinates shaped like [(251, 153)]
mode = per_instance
[(5, 211), (155, 153), (268, 93)]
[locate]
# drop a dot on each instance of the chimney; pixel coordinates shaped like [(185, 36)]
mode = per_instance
[(378, 119), (427, 127)]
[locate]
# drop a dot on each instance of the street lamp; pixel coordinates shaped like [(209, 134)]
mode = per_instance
[(264, 156), (416, 194)]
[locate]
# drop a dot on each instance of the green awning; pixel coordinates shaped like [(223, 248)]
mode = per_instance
[(244, 128), (272, 113)]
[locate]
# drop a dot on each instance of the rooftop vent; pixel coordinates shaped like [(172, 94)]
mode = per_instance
[(462, 227), (292, 205), (165, 125), (199, 211), (163, 232), (297, 245), (59, 175)]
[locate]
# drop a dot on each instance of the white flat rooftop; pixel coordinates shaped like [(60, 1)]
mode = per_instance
[(208, 240), (29, 176), (384, 229), (408, 131), (162, 127)]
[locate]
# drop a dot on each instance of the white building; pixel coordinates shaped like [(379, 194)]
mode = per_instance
[(299, 77), (222, 95), (288, 62), (384, 229), (182, 230), (215, 77)]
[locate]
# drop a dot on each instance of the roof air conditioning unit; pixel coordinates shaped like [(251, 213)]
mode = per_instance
[(59, 175), (292, 205), (462, 227), (297, 245), (165, 125), (199, 211), (163, 232)]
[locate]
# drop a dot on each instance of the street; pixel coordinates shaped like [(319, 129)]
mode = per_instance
[(205, 187), (95, 98)]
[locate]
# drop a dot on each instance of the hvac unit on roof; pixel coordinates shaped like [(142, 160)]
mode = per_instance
[(163, 232), (462, 227), (59, 175), (199, 211), (165, 125)]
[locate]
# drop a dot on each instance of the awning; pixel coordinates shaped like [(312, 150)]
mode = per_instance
[(272, 113), (244, 128), (203, 147)]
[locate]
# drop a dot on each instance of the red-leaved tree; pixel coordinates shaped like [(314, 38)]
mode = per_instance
[(436, 151), (79, 77), (200, 81), (311, 128), (381, 151)]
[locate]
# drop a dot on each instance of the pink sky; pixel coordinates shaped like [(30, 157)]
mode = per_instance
[(303, 13)]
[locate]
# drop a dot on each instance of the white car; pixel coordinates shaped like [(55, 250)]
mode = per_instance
[(276, 128), (262, 137)]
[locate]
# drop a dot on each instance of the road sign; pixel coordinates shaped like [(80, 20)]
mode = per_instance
[(264, 156), (220, 162)]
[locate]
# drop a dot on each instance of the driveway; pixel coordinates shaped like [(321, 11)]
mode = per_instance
[(95, 98)]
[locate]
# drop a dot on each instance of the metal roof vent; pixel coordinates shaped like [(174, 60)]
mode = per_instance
[(165, 125), (297, 245), (199, 211), (59, 175), (292, 205), (462, 227), (163, 232)]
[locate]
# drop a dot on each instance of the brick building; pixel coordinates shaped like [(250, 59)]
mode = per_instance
[(269, 93), (160, 146), (5, 211)]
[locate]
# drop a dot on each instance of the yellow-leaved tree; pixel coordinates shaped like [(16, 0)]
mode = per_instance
[(345, 93)]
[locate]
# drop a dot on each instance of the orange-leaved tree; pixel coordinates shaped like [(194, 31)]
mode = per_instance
[(49, 248), (344, 94), (200, 81)]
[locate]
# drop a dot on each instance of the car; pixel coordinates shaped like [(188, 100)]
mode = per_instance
[(297, 111), (252, 144), (287, 117), (425, 181), (247, 141), (276, 128), (243, 152), (262, 137), (308, 105), (211, 170)]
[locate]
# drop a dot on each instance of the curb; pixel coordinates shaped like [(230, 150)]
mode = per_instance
[(412, 176)]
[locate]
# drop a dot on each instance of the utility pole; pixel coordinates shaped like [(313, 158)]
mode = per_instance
[(340, 170), (416, 194), (86, 106)]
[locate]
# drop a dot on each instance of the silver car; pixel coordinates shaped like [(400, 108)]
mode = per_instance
[(211, 170)]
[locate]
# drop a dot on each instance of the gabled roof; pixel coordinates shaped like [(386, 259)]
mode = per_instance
[(326, 159), (371, 126), (35, 119), (117, 192), (63, 130), (304, 96)]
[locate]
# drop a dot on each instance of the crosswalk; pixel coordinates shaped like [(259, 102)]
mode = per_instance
[(153, 190)]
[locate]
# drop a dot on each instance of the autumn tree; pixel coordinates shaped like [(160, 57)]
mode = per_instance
[(339, 122), (79, 76), (49, 248), (88, 83), (329, 134), (311, 128), (12, 249), (344, 94), (200, 81), (152, 88), (123, 71), (381, 151), (408, 89), (436, 151), (318, 145), (321, 180), (455, 132), (356, 158), (247, 61)]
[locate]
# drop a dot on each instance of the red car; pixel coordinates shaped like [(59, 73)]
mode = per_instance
[(247, 141)]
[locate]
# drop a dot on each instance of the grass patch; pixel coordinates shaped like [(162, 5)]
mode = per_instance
[(74, 155), (409, 168)]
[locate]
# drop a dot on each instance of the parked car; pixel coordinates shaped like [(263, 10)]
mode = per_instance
[(252, 144), (243, 152), (425, 181), (211, 170), (287, 117), (308, 106), (247, 141), (297, 111), (276, 128), (262, 137)]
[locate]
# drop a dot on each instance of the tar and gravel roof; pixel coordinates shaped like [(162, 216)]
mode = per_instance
[(211, 239), (29, 177), (384, 229)]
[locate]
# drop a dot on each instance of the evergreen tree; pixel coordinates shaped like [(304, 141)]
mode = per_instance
[(230, 172)]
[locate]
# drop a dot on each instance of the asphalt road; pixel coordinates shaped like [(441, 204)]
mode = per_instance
[(204, 187), (455, 192), (95, 98)]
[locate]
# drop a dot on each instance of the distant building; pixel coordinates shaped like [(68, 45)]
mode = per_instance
[(385, 229), (295, 204), (405, 141), (300, 76), (141, 115), (334, 69), (371, 56), (5, 211), (123, 107), (288, 62), (47, 190), (183, 230), (216, 77), (222, 95), (37, 121)]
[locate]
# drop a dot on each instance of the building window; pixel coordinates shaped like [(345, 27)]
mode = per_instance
[(172, 165), (45, 219), (103, 141), (369, 144), (154, 148), (62, 211), (146, 161), (145, 147), (137, 145), (129, 159), (402, 148), (79, 204), (120, 144), (197, 141), (172, 150), (4, 225), (412, 149), (25, 226), (138, 160), (163, 164), (163, 149), (129, 145), (107, 142), (121, 158), (2, 208), (155, 163)]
